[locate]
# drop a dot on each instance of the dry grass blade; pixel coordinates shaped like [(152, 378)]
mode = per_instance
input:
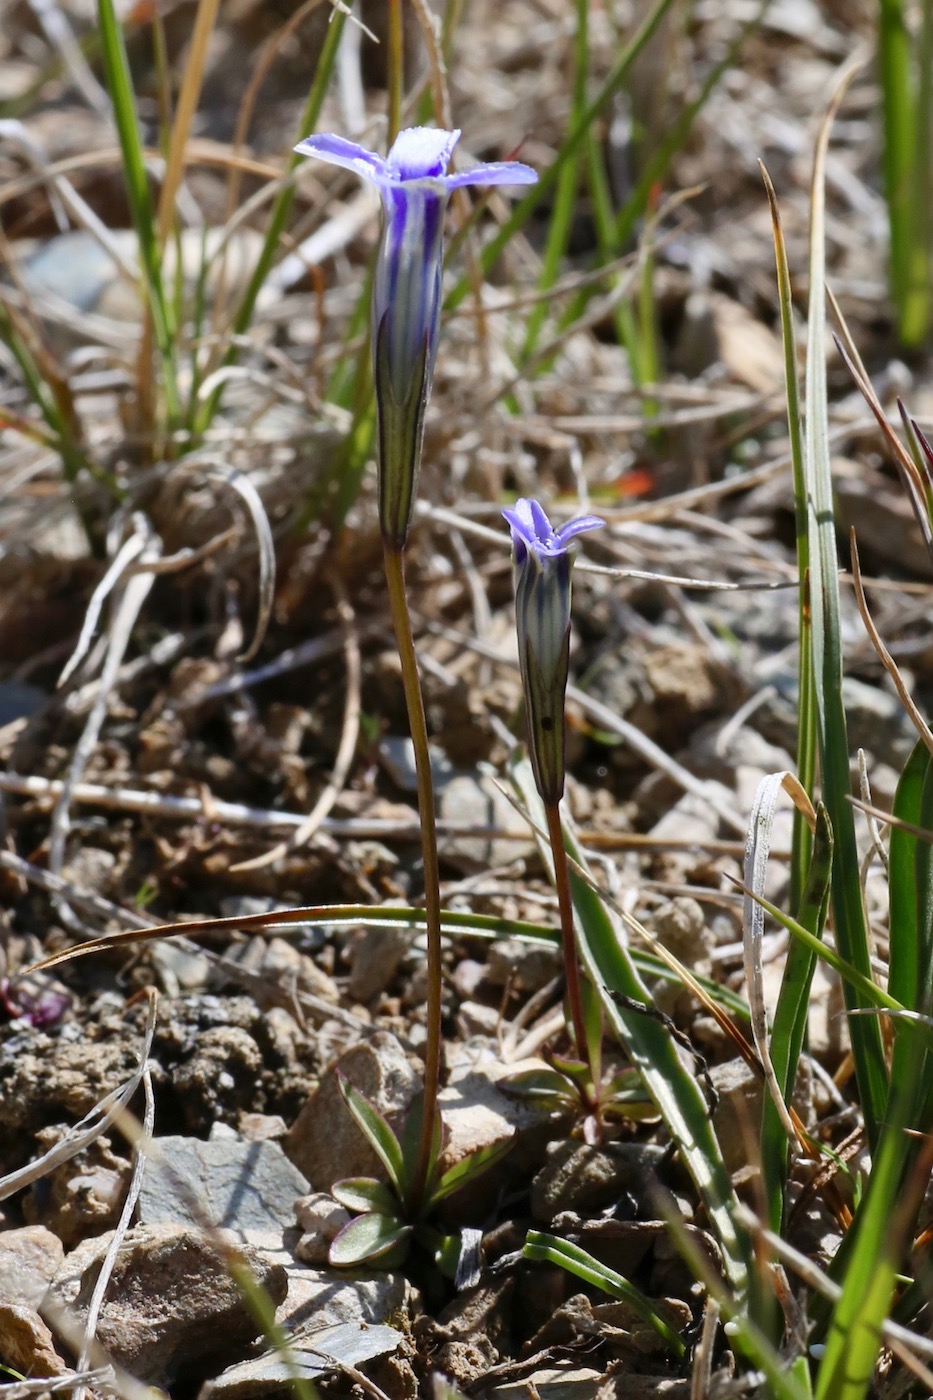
[(885, 657), (184, 114), (349, 735), (241, 484), (127, 610), (96, 1301), (127, 554)]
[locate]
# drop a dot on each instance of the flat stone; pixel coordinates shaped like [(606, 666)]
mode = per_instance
[(172, 1308), (247, 1187), (478, 1112), (29, 1260), (325, 1297), (325, 1350), (325, 1142)]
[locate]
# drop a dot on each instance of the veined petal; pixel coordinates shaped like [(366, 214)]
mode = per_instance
[(336, 150), (422, 153), (577, 527), (502, 172)]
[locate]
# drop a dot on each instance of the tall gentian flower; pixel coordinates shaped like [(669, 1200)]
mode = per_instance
[(414, 185), (543, 563)]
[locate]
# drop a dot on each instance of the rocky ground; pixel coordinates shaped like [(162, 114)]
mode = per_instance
[(187, 767)]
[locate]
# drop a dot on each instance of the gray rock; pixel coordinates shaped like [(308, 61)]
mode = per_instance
[(525, 966), (324, 1351), (578, 1177), (172, 1308), (247, 1187), (325, 1142), (473, 800), (397, 756), (377, 953), (326, 1297), (29, 1260)]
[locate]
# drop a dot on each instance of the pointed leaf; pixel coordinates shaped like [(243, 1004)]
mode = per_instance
[(469, 1168), (377, 1133), (411, 1139)]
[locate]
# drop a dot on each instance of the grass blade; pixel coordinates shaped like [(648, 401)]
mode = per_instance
[(648, 1044), (120, 86), (806, 695), (848, 909), (551, 1250)]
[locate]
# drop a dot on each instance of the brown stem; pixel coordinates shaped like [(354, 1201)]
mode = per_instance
[(567, 935), (395, 579)]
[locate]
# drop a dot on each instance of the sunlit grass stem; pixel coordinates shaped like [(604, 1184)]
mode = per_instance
[(414, 700)]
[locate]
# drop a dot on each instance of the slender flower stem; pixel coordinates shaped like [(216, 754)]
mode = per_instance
[(567, 935), (395, 579)]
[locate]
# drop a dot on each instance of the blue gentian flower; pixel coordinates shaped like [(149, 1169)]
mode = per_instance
[(543, 563), (406, 307)]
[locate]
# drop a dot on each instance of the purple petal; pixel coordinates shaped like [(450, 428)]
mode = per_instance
[(576, 527), (335, 150), (503, 172), (422, 153)]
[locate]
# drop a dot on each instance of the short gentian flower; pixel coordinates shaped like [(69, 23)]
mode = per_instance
[(406, 307), (543, 563)]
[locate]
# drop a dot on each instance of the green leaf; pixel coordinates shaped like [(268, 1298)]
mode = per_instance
[(364, 1194), (848, 909), (541, 1086), (469, 1168), (370, 1239), (377, 1133), (551, 1250), (120, 86), (648, 1045), (411, 1140)]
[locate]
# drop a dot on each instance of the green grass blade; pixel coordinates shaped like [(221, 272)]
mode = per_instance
[(565, 200), (648, 1045), (549, 1249), (806, 702), (120, 87), (281, 210), (568, 151), (854, 1338), (848, 909), (906, 151)]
